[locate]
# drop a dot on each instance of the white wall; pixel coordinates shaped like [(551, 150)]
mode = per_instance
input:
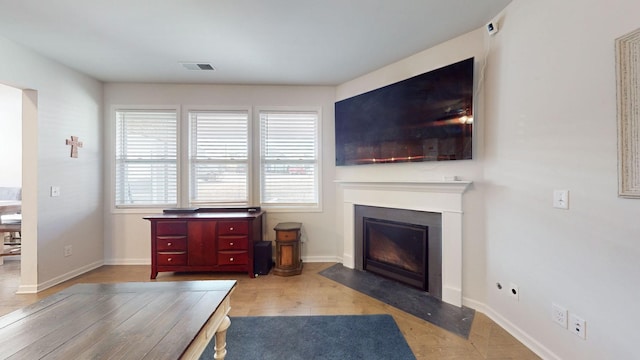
[(545, 120), (551, 124), (463, 47), (127, 235), (10, 136), (62, 103)]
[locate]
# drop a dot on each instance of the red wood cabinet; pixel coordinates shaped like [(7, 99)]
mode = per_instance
[(204, 241)]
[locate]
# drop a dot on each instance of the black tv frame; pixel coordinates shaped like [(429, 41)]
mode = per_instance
[(428, 117)]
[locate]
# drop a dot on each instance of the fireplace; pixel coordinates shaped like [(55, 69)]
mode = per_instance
[(396, 250), (400, 244), (440, 197)]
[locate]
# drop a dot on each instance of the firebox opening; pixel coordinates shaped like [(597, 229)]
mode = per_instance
[(396, 250)]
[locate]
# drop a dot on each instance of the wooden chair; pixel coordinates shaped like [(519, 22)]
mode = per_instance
[(13, 243), (11, 223)]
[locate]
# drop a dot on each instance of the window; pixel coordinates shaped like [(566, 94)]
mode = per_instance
[(205, 157), (146, 158), (219, 157), (289, 169)]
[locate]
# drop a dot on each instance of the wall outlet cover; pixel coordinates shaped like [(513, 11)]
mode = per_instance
[(559, 315)]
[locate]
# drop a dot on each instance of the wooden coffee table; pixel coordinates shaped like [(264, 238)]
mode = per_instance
[(145, 320)]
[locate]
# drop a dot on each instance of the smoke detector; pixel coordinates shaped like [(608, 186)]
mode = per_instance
[(197, 66)]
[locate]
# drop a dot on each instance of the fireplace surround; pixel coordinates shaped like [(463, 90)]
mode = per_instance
[(443, 197)]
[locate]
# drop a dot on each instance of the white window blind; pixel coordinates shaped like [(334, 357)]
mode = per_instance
[(146, 158), (219, 157), (289, 158)]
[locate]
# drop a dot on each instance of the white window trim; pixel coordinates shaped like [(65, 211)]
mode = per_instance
[(111, 151), (257, 159), (183, 174), (183, 154)]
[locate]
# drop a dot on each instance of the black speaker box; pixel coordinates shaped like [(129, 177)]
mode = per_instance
[(262, 257)]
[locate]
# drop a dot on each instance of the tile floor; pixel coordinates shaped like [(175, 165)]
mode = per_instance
[(306, 294)]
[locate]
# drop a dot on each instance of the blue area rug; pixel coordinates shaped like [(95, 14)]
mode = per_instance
[(348, 337)]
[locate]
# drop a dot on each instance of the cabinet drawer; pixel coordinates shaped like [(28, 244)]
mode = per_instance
[(233, 258), (172, 259), (233, 242), (233, 228), (171, 243), (287, 235), (171, 228)]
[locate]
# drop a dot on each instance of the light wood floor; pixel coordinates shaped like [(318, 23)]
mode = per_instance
[(306, 294)]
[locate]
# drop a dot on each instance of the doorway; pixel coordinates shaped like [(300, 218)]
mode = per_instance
[(11, 174), (24, 160)]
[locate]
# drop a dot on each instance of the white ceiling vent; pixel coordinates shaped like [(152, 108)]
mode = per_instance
[(198, 66)]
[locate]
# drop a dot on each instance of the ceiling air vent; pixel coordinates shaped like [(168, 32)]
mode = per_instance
[(197, 66)]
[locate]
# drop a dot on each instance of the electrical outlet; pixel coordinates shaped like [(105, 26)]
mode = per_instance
[(514, 292), (559, 315), (68, 250), (578, 326)]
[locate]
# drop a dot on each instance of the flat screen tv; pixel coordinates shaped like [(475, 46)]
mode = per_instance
[(428, 117)]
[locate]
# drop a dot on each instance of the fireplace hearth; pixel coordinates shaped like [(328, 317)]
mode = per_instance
[(399, 244)]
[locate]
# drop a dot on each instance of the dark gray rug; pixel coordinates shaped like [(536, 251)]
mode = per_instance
[(410, 300), (348, 337)]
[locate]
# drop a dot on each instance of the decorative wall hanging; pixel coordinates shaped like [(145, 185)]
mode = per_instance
[(75, 144), (628, 80)]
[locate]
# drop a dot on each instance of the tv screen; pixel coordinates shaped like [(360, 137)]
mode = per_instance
[(428, 117)]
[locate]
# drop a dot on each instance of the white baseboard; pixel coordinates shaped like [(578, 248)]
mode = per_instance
[(146, 261), (512, 329), (475, 305), (32, 289), (27, 289), (126, 261), (319, 259)]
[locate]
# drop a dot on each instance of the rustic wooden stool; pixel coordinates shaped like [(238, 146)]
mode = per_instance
[(288, 260)]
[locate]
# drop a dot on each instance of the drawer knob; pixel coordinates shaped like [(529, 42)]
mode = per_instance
[(231, 229), (169, 244), (231, 259), (169, 259), (230, 244)]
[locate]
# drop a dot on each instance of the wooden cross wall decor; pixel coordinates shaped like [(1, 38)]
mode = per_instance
[(75, 144)]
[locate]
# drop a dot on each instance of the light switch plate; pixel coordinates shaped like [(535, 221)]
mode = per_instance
[(561, 199), (55, 191)]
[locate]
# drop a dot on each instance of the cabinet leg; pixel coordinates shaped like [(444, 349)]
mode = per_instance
[(154, 274)]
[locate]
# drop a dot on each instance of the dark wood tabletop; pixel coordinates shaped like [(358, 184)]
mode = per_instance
[(144, 320)]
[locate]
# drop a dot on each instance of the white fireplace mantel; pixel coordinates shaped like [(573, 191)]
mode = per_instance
[(444, 197)]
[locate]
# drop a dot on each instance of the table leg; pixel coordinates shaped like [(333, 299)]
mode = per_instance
[(221, 339)]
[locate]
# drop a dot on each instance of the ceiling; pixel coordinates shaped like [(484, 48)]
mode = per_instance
[(294, 42)]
